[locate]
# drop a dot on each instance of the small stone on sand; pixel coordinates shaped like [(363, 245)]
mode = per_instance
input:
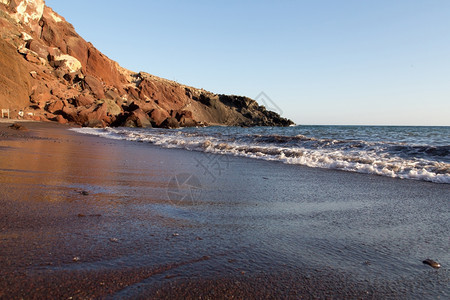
[(17, 126), (432, 263)]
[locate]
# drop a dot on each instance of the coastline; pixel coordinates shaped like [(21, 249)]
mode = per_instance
[(255, 229)]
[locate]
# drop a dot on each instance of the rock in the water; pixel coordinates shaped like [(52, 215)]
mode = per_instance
[(432, 263)]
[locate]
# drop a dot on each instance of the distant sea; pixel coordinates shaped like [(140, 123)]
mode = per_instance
[(407, 152)]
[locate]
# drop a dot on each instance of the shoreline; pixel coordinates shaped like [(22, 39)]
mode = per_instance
[(350, 153), (259, 229)]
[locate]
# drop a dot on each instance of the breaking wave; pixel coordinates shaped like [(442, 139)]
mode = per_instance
[(393, 154)]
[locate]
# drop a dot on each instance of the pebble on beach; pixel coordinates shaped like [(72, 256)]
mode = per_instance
[(432, 263)]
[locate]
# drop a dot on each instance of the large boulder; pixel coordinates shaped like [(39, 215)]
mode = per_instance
[(67, 62), (61, 120), (133, 92), (40, 93), (55, 106), (187, 122), (70, 113), (112, 108), (93, 116), (169, 123), (38, 48), (95, 86), (138, 118), (84, 100), (158, 116)]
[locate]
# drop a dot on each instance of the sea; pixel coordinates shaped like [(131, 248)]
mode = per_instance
[(405, 152)]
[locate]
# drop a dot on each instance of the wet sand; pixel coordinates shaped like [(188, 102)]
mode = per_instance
[(86, 217)]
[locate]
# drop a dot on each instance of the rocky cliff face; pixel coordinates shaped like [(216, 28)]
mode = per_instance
[(51, 73)]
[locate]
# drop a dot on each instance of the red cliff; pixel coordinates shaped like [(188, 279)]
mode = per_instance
[(51, 73)]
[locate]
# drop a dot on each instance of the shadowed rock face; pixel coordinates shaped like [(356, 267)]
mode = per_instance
[(51, 73)]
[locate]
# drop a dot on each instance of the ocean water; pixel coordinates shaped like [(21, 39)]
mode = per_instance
[(406, 152)]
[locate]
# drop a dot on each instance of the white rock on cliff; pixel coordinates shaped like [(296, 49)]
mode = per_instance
[(28, 12), (55, 17), (26, 37), (73, 64)]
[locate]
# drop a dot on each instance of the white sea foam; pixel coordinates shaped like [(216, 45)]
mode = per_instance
[(348, 155)]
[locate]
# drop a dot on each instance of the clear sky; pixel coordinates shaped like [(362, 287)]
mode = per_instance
[(320, 61)]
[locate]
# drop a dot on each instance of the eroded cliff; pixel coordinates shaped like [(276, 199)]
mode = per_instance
[(51, 73)]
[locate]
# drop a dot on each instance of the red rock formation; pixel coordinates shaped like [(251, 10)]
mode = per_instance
[(50, 72), (14, 80)]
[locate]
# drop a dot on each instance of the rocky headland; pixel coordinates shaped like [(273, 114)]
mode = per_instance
[(49, 73)]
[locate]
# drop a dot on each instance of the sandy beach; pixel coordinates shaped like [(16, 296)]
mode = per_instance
[(86, 217)]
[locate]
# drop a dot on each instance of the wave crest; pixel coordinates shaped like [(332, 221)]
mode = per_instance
[(428, 163)]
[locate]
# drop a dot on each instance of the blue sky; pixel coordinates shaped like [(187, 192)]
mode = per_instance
[(320, 62)]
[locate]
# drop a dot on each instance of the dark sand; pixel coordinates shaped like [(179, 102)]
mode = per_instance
[(248, 228)]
